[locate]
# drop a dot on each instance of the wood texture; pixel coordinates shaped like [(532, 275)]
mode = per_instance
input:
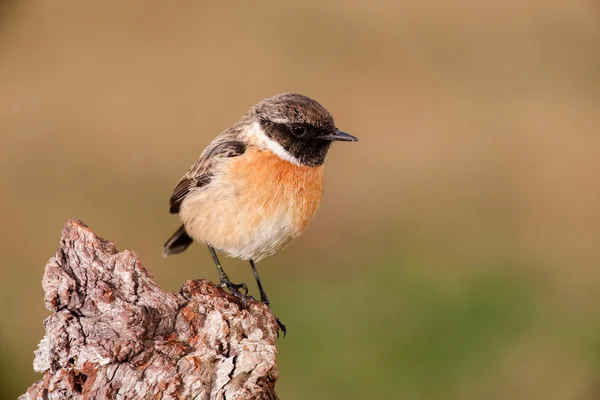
[(114, 334)]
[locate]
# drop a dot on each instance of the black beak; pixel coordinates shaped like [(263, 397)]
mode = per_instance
[(340, 137)]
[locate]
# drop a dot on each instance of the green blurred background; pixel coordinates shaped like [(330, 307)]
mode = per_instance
[(457, 251)]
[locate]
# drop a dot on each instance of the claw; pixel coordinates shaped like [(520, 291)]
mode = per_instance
[(238, 286), (281, 327), (234, 290)]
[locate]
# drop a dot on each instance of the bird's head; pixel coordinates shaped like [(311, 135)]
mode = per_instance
[(296, 128)]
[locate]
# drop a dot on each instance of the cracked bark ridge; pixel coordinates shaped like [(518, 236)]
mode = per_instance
[(114, 334)]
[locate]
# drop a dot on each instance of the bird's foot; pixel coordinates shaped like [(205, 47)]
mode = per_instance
[(264, 299), (234, 289), (281, 327)]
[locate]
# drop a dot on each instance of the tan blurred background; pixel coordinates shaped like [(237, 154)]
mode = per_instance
[(457, 251)]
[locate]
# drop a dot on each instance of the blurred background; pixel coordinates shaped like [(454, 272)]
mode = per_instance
[(457, 251)]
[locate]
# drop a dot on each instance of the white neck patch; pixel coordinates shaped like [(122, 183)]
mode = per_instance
[(259, 137)]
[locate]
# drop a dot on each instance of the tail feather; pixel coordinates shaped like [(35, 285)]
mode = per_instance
[(177, 243)]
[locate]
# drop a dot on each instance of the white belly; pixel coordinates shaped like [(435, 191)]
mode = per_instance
[(246, 231)]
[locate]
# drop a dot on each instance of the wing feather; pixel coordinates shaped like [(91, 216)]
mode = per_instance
[(200, 174)]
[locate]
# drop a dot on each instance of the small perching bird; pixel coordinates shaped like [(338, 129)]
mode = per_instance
[(257, 185)]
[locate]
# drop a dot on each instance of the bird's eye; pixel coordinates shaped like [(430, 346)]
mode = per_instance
[(298, 130)]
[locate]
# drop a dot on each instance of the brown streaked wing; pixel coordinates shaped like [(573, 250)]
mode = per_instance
[(201, 172)]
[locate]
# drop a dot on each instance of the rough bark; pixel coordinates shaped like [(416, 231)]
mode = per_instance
[(114, 334)]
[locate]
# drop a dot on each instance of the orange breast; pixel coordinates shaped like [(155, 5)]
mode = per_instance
[(255, 205), (275, 186)]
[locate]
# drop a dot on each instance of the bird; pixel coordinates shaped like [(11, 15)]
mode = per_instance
[(257, 185)]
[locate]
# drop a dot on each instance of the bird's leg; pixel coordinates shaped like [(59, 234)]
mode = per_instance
[(264, 298), (224, 279)]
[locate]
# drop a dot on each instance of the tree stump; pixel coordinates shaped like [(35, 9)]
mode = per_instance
[(114, 334)]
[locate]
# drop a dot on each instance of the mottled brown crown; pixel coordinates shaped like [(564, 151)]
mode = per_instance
[(294, 108)]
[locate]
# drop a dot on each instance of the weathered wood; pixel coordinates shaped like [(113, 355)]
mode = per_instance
[(114, 334)]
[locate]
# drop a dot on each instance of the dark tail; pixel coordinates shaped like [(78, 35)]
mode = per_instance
[(177, 243)]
